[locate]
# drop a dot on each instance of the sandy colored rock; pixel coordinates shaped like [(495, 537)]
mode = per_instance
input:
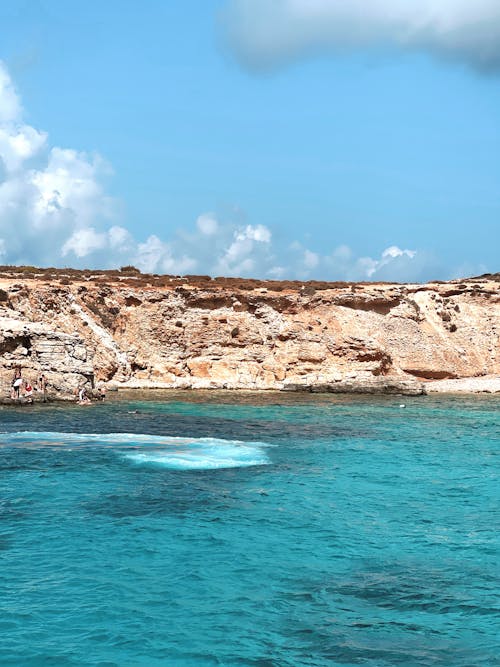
[(365, 337), (479, 385)]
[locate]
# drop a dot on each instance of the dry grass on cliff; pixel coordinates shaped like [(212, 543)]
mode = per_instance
[(130, 276)]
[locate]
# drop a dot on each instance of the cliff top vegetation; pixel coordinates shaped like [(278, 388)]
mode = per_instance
[(132, 276)]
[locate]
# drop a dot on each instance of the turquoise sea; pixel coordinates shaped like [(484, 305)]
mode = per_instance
[(233, 529)]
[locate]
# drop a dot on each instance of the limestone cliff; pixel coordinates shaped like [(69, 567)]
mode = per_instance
[(145, 331)]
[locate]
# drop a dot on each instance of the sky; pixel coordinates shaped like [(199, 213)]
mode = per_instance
[(294, 139)]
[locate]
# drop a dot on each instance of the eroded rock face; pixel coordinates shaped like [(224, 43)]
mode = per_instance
[(65, 359), (370, 337)]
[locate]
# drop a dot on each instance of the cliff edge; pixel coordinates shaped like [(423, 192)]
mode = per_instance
[(134, 330)]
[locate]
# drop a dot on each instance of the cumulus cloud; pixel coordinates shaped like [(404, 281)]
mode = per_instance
[(83, 242), (51, 199), (248, 249), (393, 264), (54, 210), (266, 33), (157, 256), (388, 256), (342, 263)]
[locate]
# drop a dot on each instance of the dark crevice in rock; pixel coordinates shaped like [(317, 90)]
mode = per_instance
[(430, 374)]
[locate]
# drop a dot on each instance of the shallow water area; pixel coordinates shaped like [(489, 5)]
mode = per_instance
[(230, 528)]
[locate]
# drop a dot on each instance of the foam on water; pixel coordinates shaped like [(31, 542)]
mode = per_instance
[(204, 455), (176, 453)]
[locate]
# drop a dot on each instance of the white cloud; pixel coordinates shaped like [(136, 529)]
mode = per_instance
[(246, 252), (69, 189), (54, 210), (372, 266), (393, 251), (83, 242), (120, 239), (207, 224), (267, 32), (52, 201), (18, 144), (150, 254), (258, 233), (393, 264), (156, 256)]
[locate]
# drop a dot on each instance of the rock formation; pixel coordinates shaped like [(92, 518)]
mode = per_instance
[(134, 330)]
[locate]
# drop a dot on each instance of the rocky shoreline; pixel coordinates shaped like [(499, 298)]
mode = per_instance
[(462, 386)]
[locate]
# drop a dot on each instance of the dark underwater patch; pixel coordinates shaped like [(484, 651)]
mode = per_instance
[(167, 493), (238, 429)]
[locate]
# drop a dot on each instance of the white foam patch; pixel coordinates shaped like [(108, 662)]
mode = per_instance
[(169, 452), (204, 454)]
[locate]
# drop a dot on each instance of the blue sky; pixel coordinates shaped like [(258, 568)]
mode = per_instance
[(245, 138)]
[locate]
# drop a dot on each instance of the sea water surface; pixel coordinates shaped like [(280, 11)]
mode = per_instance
[(231, 529)]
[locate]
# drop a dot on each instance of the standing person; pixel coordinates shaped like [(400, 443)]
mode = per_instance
[(17, 381), (83, 397), (42, 385)]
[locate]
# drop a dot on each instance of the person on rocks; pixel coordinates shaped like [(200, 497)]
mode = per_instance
[(83, 398), (17, 381), (28, 391), (42, 386)]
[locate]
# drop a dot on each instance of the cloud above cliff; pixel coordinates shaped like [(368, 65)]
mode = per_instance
[(47, 194), (55, 211), (343, 263), (267, 33)]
